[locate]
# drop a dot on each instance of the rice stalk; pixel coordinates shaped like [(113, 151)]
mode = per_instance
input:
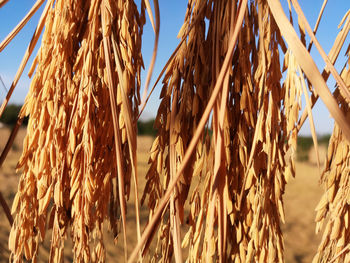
[(317, 23), (28, 52), (155, 48), (6, 209), (308, 65), (18, 28), (333, 55), (329, 65), (3, 2)]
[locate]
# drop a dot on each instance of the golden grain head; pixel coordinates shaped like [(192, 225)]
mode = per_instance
[(227, 132)]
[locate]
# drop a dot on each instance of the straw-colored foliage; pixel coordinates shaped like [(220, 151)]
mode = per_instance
[(227, 128)]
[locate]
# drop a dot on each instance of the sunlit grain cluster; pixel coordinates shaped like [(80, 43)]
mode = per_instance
[(90, 59), (227, 125)]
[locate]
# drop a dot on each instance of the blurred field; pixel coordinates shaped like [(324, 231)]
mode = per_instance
[(301, 197)]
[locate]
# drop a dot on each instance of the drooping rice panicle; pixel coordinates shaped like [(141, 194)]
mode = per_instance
[(70, 148), (248, 156), (332, 211), (237, 206)]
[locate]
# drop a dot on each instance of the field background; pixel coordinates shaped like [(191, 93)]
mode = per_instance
[(300, 199)]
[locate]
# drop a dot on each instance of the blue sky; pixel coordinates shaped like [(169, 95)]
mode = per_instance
[(172, 15)]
